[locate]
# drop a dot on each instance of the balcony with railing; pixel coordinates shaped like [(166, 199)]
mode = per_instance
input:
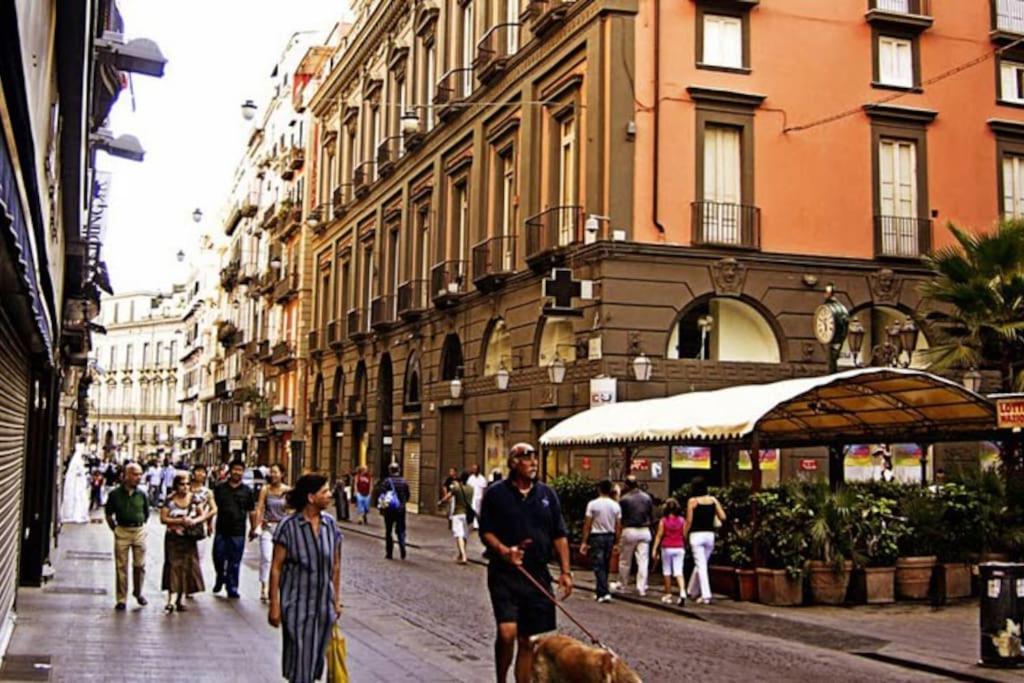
[(728, 225), (333, 408), (315, 349), (319, 217), (229, 276), (413, 301), (454, 88), (358, 327), (915, 15), (547, 15), (284, 353), (902, 236), (354, 407), (382, 313), (266, 352), (494, 51), (388, 154), (270, 217), (341, 198), (287, 287), (234, 216), (1007, 19), (550, 232), (362, 178), (290, 220), (335, 334), (248, 208), (494, 261), (291, 161), (448, 283)]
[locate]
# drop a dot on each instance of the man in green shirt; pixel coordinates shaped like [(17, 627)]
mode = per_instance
[(127, 511)]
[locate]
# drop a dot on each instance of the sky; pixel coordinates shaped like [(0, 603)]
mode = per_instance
[(219, 54)]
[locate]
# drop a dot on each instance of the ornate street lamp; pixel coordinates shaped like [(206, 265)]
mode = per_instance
[(456, 388), (502, 377), (409, 123), (855, 339), (642, 367), (275, 262), (556, 369), (972, 380), (181, 256), (248, 110), (908, 339), (197, 215)]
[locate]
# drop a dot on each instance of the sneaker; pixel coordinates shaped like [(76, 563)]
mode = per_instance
[(605, 598), (681, 602), (667, 599), (642, 594), (615, 587)]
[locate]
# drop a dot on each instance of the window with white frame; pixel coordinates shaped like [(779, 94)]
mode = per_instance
[(723, 186), (460, 218), (1013, 186), (567, 179), (896, 61), (468, 48), (723, 41), (512, 23), (1011, 81), (897, 194)]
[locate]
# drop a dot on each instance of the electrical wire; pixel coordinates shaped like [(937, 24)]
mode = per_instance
[(949, 73)]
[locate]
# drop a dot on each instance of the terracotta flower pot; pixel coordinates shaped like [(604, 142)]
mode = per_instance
[(954, 580), (746, 583), (829, 585), (914, 576), (777, 587), (723, 580), (873, 585)]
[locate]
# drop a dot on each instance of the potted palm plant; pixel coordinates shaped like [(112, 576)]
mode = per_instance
[(830, 533), (877, 535), (918, 547), (962, 522)]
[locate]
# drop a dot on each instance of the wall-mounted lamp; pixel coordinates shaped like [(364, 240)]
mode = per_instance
[(123, 146), (410, 123), (275, 262), (455, 388), (855, 339), (248, 110), (556, 369), (642, 367), (180, 256), (972, 380), (502, 376)]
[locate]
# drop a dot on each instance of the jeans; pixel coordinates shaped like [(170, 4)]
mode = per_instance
[(394, 520), (362, 504), (702, 544), (600, 555), (635, 540), (227, 560)]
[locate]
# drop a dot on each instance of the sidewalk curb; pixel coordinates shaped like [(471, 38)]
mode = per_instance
[(913, 664)]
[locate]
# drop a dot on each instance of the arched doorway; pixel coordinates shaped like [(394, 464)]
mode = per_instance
[(357, 413), (452, 445), (723, 329), (385, 412), (411, 447)]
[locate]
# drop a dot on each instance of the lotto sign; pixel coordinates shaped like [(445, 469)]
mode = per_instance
[(1010, 413), (641, 464)]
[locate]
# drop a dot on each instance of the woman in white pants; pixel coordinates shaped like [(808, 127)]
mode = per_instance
[(270, 510), (701, 512), (670, 543)]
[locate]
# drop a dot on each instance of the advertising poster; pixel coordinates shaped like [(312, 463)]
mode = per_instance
[(691, 458), (769, 460), (988, 457), (906, 455), (858, 465)]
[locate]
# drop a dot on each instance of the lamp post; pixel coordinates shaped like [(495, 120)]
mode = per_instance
[(897, 351)]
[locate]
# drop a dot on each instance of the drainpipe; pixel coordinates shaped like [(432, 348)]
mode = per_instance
[(657, 117)]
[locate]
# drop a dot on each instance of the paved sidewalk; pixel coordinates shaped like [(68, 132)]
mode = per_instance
[(943, 640), (71, 631)]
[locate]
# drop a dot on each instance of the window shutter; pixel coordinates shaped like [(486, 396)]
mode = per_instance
[(887, 178), (1013, 186), (1011, 74), (895, 61), (907, 186), (723, 41)]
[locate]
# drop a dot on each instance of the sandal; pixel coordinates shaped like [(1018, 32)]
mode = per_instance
[(667, 598)]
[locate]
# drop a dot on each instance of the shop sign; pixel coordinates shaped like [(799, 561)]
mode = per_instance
[(641, 464), (585, 463), (282, 422), (809, 465), (222, 431), (235, 445), (1010, 413), (603, 391)]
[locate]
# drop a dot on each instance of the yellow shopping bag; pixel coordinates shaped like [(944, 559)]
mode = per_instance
[(337, 669)]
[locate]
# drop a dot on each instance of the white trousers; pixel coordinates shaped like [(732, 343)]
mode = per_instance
[(702, 544), (635, 541), (266, 553)]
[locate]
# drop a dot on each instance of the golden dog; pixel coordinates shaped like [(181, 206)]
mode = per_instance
[(561, 659)]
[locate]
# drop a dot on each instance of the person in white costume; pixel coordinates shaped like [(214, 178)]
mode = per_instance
[(74, 506)]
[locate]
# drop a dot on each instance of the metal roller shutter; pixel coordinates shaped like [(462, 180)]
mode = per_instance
[(14, 404)]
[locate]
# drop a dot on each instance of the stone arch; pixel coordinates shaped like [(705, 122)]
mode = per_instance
[(451, 358), (555, 336), (412, 387), (497, 348), (740, 330)]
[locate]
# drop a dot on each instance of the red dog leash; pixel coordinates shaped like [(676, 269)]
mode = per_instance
[(559, 605)]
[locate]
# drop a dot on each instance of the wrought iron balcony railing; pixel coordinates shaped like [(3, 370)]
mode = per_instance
[(902, 236), (358, 325), (448, 282), (553, 229), (724, 224), (382, 312), (494, 50), (412, 299), (494, 261), (455, 86)]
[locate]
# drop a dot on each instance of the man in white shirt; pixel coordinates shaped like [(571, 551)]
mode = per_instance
[(153, 479), (602, 528), (479, 484)]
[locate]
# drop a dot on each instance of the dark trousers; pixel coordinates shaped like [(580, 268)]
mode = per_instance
[(394, 520), (227, 560), (600, 554), (341, 506)]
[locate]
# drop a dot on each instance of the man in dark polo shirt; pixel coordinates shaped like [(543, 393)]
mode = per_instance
[(127, 510), (234, 502), (521, 524)]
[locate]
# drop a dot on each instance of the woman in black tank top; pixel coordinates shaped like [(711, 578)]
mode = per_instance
[(701, 512)]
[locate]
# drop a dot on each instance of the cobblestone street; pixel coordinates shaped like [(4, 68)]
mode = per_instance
[(425, 619)]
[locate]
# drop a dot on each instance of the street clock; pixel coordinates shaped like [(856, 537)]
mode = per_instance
[(831, 321)]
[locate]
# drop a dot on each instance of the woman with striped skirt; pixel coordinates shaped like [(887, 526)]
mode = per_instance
[(305, 579)]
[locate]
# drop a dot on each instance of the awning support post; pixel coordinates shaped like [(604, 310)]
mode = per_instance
[(836, 466), (755, 462), (627, 462), (924, 462)]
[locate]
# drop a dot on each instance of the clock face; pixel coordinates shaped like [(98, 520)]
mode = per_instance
[(824, 325)]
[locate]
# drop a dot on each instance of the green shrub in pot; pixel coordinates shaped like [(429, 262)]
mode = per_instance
[(574, 492), (780, 534)]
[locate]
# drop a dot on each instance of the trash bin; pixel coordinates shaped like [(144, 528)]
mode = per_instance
[(1002, 614)]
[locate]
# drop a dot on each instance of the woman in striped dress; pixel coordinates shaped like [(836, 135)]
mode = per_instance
[(305, 579)]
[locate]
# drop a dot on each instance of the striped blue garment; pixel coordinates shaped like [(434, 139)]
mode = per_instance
[(307, 594)]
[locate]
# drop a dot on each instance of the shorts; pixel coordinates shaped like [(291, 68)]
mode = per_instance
[(672, 561), (459, 525), (516, 600)]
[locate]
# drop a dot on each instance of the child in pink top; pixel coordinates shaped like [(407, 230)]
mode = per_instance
[(670, 541)]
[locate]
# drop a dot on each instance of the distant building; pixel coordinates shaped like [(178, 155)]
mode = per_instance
[(134, 402)]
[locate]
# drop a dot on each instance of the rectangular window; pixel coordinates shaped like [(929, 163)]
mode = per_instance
[(723, 193), (394, 261), (897, 194), (145, 355), (128, 357), (1011, 81), (423, 230), (431, 81), (723, 41), (896, 61), (1010, 15), (1013, 186), (567, 179), (460, 219), (369, 281), (512, 23), (507, 219)]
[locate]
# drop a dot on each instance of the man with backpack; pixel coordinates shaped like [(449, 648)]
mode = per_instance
[(392, 495)]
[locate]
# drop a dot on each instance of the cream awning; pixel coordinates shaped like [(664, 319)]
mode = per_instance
[(863, 405)]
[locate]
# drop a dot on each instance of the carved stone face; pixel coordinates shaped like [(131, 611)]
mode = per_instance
[(886, 280), (730, 271)]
